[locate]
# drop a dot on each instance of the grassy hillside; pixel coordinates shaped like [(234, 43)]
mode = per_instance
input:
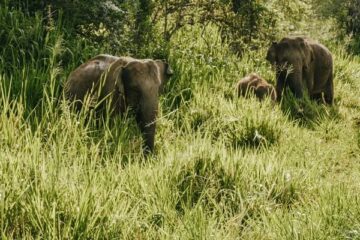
[(224, 168)]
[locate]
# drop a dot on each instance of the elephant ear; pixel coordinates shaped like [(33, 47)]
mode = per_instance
[(165, 72), (119, 84), (120, 88), (164, 68)]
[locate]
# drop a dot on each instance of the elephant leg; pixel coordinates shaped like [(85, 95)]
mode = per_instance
[(329, 91)]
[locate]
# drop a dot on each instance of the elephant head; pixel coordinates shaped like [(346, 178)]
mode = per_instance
[(142, 82), (165, 72), (292, 59), (265, 90)]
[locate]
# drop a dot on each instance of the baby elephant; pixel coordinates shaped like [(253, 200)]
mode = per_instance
[(253, 83)]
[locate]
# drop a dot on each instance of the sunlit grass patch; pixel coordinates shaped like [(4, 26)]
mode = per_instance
[(237, 122), (206, 182)]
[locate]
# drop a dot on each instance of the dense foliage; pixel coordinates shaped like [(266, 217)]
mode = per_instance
[(102, 22), (347, 15)]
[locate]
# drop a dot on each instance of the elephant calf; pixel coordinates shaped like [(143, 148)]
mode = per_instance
[(121, 82), (303, 65), (259, 86)]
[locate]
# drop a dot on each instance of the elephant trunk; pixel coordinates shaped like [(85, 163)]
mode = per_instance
[(293, 80), (147, 119), (280, 83)]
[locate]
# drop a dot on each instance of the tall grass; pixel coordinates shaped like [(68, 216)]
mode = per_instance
[(224, 168)]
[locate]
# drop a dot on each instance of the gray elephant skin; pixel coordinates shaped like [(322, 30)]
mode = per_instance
[(303, 65), (121, 82), (253, 83)]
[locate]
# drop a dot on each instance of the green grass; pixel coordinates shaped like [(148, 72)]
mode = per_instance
[(224, 168)]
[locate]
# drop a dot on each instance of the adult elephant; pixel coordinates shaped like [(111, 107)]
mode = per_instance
[(121, 82), (302, 65)]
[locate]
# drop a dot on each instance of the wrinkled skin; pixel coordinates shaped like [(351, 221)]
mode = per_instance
[(303, 65), (121, 82), (259, 86)]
